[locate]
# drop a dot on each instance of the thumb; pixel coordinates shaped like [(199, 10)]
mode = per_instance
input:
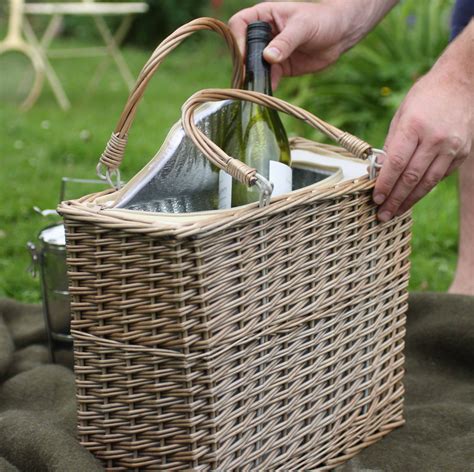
[(282, 45)]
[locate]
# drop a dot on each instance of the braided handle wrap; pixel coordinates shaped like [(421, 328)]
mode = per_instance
[(234, 167), (113, 154)]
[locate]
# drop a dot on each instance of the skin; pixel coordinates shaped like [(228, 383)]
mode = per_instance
[(309, 37), (464, 278), (431, 134)]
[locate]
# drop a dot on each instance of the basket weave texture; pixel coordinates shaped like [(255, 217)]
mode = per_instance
[(270, 338)]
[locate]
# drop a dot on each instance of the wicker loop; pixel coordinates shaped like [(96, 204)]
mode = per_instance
[(355, 145), (113, 154), (234, 168)]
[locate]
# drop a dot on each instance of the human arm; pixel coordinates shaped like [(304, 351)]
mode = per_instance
[(310, 36), (432, 132)]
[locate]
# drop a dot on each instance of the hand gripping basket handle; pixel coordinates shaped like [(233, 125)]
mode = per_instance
[(238, 169), (113, 154)]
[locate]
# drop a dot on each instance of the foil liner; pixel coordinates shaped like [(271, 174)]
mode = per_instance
[(182, 180)]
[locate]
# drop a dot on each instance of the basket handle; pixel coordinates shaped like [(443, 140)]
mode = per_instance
[(114, 151), (237, 169)]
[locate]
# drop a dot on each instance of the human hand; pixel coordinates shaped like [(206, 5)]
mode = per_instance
[(309, 36), (430, 136)]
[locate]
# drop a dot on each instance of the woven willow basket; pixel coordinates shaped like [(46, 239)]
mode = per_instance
[(257, 339)]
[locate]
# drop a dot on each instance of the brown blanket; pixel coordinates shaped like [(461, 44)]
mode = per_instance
[(37, 407)]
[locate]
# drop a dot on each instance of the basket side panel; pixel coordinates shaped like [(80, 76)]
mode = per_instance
[(141, 395), (306, 311)]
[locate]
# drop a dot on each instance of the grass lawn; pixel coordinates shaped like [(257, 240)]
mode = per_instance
[(37, 148)]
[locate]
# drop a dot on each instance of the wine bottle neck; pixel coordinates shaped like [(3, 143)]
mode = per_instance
[(257, 70)]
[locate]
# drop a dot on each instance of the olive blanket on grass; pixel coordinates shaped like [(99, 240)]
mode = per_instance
[(37, 404)]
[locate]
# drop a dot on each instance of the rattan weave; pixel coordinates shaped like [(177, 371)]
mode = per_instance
[(266, 339)]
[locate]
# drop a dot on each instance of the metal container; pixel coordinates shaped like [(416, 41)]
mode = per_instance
[(48, 253), (49, 259)]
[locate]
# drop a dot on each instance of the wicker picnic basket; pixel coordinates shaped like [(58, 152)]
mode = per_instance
[(266, 338)]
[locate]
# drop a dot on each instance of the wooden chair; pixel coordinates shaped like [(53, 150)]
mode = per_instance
[(86, 8)]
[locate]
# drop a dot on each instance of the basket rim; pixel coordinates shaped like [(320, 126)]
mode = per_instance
[(87, 209)]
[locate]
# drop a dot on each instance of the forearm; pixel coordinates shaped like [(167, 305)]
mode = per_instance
[(432, 131), (361, 16), (456, 64)]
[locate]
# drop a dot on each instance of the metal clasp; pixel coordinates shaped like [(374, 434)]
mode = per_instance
[(111, 176), (266, 189), (373, 164)]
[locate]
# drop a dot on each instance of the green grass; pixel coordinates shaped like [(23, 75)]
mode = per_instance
[(435, 238), (37, 148)]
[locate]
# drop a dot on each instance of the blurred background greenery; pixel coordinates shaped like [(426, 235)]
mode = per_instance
[(360, 94)]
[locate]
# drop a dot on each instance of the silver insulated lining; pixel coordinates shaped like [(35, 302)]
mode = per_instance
[(182, 180)]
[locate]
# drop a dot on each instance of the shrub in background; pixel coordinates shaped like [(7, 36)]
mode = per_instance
[(363, 90), (163, 17), (225, 9)]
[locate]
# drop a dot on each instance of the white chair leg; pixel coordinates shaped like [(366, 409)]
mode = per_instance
[(114, 51), (119, 36), (53, 79), (51, 31)]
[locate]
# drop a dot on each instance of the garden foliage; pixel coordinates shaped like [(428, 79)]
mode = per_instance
[(364, 89)]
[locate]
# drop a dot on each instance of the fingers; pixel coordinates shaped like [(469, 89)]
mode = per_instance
[(437, 154), (238, 24), (399, 150), (291, 29), (240, 21), (449, 159), (282, 45), (435, 173), (411, 176)]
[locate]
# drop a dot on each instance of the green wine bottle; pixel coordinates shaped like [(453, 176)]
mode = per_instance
[(256, 134)]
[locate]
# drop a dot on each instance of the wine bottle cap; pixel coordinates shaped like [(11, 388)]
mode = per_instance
[(259, 31)]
